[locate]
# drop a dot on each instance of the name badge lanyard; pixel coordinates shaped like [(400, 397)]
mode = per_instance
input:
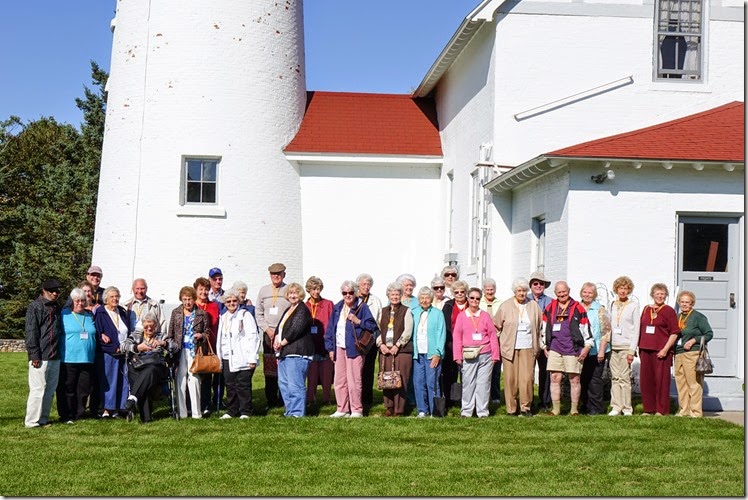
[(522, 314), (314, 316), (476, 334), (682, 319), (84, 333)]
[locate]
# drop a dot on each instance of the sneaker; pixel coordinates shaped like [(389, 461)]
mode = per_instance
[(206, 413), (628, 413), (525, 414), (105, 414), (496, 401), (243, 417), (614, 412), (69, 422), (356, 415), (421, 415), (225, 416), (338, 414)]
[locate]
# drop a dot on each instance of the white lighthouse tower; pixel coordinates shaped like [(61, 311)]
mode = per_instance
[(202, 97)]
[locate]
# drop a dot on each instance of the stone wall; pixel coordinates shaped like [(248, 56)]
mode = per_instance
[(12, 345)]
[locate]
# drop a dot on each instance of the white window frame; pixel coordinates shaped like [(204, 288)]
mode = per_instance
[(184, 181), (476, 197), (681, 24), (538, 243)]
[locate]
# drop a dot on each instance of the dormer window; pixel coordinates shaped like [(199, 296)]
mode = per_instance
[(679, 39)]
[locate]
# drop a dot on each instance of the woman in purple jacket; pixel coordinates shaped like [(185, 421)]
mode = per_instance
[(350, 317), (112, 328)]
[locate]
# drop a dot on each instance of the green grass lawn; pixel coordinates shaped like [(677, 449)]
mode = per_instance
[(274, 456)]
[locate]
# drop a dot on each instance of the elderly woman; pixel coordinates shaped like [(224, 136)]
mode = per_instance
[(408, 281), (475, 348), (694, 328), (209, 381), (452, 308), (112, 328), (430, 334), (294, 345), (395, 348), (146, 365), (77, 351), (519, 322), (592, 368), (321, 367), (91, 304), (188, 327), (244, 303), (350, 317), (238, 347), (658, 333), (624, 320), (438, 287), (450, 275), (364, 282)]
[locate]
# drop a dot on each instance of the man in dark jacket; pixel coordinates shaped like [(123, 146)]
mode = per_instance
[(43, 336)]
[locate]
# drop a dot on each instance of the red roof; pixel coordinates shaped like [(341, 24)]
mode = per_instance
[(382, 124), (714, 135)]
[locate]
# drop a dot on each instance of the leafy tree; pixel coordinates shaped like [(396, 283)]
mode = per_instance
[(48, 186)]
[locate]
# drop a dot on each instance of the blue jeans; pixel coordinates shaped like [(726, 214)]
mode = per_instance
[(425, 383), (291, 380), (113, 382)]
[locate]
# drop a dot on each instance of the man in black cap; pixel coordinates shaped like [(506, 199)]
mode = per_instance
[(43, 334), (271, 302)]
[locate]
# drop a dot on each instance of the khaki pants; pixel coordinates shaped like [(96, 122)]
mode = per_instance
[(620, 381), (519, 375), (689, 384)]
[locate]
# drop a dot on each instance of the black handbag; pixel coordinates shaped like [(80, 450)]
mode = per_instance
[(139, 362), (455, 392), (439, 408)]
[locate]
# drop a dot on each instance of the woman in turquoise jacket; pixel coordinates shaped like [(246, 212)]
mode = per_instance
[(429, 336)]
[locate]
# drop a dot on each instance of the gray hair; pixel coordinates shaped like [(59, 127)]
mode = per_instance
[(520, 283), (232, 292), (150, 316), (239, 285), (408, 277), (349, 284), (395, 287), (426, 291), (489, 281), (365, 276), (109, 290), (438, 281), (77, 294)]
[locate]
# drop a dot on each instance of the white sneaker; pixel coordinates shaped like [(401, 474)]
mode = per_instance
[(614, 413), (628, 413), (421, 415), (243, 417), (338, 414), (356, 415), (225, 416)]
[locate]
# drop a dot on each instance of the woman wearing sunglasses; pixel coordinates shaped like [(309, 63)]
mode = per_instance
[(475, 349), (350, 317), (438, 286)]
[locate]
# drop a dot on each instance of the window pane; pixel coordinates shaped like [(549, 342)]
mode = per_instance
[(193, 192), (209, 192), (193, 170), (209, 171), (705, 247)]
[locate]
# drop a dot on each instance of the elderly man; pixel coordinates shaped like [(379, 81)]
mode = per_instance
[(450, 275), (140, 304), (271, 302), (538, 284), (43, 338), (490, 304), (93, 278), (566, 342), (215, 275), (365, 282)]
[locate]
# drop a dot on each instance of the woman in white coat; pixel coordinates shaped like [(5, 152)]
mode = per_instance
[(238, 345)]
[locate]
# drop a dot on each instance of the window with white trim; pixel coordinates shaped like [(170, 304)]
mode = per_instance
[(538, 237), (476, 193), (679, 31), (200, 181)]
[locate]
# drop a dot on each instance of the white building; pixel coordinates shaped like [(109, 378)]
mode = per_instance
[(478, 166)]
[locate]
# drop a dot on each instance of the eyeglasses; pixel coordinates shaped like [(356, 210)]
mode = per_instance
[(473, 298), (459, 292), (437, 287), (95, 274), (348, 293), (54, 290), (450, 275), (536, 283), (232, 301)]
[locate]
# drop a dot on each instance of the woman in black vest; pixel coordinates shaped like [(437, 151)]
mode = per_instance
[(396, 348)]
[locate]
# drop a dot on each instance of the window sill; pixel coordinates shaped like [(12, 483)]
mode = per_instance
[(201, 211), (684, 86)]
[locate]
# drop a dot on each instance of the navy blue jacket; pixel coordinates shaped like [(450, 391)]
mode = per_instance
[(351, 332), (105, 325)]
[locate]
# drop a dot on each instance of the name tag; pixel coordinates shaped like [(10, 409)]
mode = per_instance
[(650, 329), (314, 330), (273, 311), (522, 328), (556, 327), (477, 336), (84, 335), (618, 330)]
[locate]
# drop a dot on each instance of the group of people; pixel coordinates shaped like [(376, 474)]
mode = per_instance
[(107, 359)]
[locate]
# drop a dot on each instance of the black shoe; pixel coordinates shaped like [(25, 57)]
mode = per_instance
[(130, 406), (525, 413)]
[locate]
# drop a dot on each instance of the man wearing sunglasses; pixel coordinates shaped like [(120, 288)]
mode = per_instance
[(43, 334), (538, 284)]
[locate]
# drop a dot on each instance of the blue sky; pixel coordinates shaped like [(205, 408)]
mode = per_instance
[(351, 45)]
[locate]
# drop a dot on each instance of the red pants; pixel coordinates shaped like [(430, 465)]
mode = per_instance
[(654, 381)]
